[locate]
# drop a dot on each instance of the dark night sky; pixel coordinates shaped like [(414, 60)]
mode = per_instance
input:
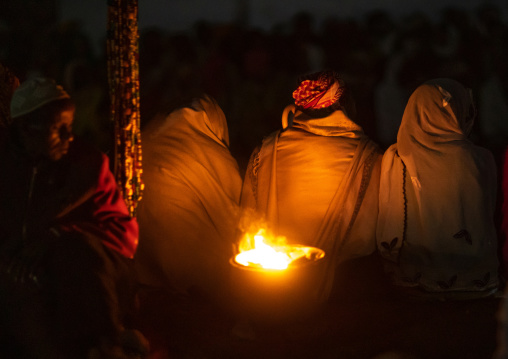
[(177, 15)]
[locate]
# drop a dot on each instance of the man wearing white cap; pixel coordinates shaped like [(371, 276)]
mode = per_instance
[(66, 237)]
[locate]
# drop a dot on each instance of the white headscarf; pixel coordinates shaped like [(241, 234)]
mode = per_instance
[(437, 195), (188, 216)]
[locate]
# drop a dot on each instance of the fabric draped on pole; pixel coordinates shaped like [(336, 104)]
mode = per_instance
[(123, 77)]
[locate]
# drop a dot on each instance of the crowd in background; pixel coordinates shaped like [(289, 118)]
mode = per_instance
[(251, 71)]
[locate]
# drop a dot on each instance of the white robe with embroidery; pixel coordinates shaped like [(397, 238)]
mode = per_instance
[(437, 197)]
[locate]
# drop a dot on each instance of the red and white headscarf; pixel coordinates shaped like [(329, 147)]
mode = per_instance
[(319, 91)]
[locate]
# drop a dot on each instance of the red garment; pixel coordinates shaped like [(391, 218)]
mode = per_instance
[(78, 193), (106, 215)]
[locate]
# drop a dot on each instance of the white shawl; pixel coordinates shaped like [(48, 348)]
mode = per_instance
[(188, 214), (437, 196), (316, 182)]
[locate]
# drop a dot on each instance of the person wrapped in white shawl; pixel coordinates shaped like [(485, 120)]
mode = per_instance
[(188, 215), (316, 180), (437, 198)]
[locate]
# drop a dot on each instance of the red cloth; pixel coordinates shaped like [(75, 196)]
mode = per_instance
[(322, 92), (77, 193), (106, 215)]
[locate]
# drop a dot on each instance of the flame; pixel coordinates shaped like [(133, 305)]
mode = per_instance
[(260, 251)]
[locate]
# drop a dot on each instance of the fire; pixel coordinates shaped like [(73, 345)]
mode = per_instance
[(260, 251)]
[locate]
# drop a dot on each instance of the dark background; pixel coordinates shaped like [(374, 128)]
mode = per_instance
[(178, 15), (248, 55)]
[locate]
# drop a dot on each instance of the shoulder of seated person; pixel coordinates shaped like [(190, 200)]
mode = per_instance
[(81, 150)]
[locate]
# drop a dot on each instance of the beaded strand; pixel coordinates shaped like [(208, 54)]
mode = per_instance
[(123, 79)]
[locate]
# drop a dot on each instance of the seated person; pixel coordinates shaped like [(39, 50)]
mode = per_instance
[(188, 215), (66, 237), (315, 181), (437, 199)]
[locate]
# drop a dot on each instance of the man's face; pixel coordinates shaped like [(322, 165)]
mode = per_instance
[(60, 135), (52, 139)]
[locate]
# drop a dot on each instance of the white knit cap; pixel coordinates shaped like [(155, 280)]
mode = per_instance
[(34, 93)]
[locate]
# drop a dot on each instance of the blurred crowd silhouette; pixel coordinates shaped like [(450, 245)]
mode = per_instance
[(251, 71)]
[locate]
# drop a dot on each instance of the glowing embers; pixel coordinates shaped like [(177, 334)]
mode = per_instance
[(260, 251)]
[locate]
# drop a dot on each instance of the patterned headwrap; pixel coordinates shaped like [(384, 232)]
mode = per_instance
[(8, 83), (318, 91)]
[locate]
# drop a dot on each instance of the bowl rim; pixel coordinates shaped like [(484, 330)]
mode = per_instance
[(308, 263)]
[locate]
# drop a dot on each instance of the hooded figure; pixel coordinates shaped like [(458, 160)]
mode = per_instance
[(188, 216), (316, 179), (437, 198)]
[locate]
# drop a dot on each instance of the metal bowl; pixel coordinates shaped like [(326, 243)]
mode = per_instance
[(269, 295)]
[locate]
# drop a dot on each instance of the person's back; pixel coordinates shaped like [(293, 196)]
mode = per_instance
[(437, 198), (316, 180), (314, 173), (188, 216)]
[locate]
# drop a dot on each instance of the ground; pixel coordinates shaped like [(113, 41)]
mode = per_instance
[(364, 318)]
